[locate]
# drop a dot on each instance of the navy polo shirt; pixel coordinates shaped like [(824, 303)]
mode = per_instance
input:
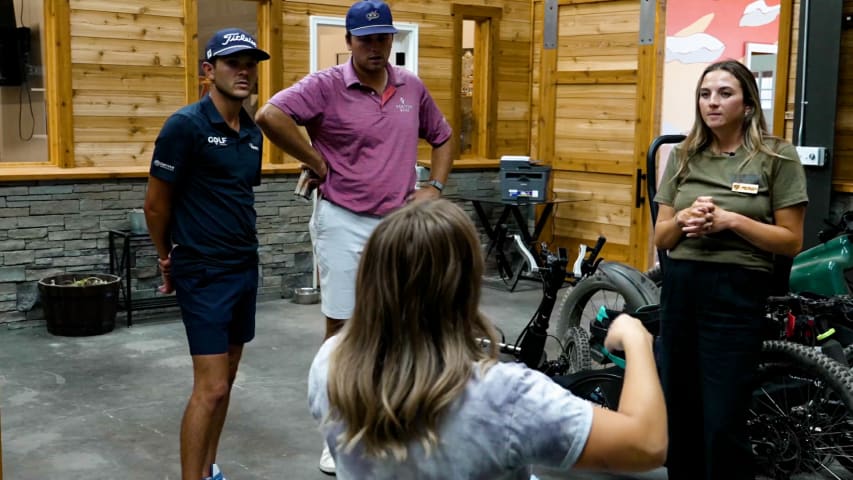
[(213, 170)]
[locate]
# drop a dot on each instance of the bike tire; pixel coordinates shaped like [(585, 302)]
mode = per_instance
[(801, 417), (576, 352), (615, 286)]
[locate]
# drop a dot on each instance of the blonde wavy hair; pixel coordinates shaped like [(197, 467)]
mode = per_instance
[(755, 134), (412, 343)]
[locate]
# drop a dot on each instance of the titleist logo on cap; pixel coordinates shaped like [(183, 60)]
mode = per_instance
[(238, 37)]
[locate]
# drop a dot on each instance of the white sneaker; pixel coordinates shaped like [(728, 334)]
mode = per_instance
[(327, 463)]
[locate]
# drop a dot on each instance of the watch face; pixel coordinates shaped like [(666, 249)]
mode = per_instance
[(438, 185)]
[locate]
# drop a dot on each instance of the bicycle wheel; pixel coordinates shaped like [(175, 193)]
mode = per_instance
[(576, 354), (801, 417), (614, 286), (602, 387)]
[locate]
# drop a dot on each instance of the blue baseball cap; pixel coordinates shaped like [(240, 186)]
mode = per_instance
[(369, 17), (231, 41)]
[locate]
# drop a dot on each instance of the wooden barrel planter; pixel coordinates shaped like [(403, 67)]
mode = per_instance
[(80, 304)]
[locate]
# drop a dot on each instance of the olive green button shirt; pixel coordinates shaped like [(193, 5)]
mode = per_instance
[(755, 188)]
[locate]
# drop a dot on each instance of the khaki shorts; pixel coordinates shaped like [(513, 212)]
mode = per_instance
[(339, 236)]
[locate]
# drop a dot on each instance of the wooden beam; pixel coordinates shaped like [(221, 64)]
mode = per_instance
[(547, 103), (191, 50), (456, 81), (783, 60), (60, 114), (649, 79), (271, 71)]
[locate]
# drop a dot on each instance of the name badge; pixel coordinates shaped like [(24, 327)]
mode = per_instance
[(750, 188)]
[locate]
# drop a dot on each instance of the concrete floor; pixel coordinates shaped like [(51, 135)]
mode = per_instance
[(109, 406)]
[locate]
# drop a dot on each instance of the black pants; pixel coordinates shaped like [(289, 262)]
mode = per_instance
[(711, 322)]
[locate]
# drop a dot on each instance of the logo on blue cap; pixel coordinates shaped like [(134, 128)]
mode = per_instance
[(231, 41), (369, 17)]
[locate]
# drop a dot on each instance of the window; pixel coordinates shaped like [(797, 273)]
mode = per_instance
[(23, 130), (475, 35), (761, 59), (329, 47)]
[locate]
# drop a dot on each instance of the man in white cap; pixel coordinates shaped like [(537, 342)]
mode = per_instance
[(200, 211)]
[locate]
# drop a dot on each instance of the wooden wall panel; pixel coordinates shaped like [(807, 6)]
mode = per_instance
[(605, 213), (435, 24), (128, 71), (165, 8), (111, 51), (594, 99)]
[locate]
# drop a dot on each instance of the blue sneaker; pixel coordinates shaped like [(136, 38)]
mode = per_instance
[(215, 473)]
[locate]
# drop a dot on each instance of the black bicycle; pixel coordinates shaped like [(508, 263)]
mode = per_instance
[(529, 347), (801, 418)]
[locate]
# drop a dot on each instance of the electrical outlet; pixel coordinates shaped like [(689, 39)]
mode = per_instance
[(812, 156)]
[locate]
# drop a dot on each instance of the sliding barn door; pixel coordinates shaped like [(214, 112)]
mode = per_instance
[(599, 78)]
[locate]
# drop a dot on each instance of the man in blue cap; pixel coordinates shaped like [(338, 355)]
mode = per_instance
[(365, 119), (200, 211)]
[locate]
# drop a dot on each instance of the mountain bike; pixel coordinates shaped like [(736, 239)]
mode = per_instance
[(529, 347), (801, 417)]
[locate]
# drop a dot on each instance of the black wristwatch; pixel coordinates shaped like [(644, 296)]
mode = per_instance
[(435, 183)]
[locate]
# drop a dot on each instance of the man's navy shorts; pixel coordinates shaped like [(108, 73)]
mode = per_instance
[(217, 305)]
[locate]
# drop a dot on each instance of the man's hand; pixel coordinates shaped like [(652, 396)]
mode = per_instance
[(166, 272), (425, 193)]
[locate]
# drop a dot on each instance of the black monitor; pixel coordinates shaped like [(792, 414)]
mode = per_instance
[(15, 45), (7, 14)]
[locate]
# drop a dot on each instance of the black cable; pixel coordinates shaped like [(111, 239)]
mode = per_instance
[(25, 85)]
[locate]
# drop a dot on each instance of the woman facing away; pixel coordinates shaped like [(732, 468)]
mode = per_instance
[(407, 391), (731, 198)]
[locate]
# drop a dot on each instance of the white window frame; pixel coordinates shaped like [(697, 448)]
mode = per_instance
[(405, 41)]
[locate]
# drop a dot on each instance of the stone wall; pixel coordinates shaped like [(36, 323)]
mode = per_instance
[(51, 227)]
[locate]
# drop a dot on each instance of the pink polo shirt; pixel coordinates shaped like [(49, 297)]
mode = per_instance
[(369, 140)]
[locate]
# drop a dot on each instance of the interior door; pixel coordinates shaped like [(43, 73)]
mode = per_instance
[(600, 73)]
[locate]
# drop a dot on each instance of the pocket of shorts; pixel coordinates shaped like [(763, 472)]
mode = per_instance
[(193, 278), (315, 225)]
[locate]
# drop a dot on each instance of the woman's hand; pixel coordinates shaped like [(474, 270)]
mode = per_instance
[(698, 219), (623, 330)]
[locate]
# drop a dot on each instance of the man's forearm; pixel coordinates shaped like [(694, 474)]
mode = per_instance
[(441, 161), (158, 229), (283, 132)]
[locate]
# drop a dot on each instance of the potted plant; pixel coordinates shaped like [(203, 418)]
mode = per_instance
[(80, 304)]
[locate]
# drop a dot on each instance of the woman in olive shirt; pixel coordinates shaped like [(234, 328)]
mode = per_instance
[(731, 198)]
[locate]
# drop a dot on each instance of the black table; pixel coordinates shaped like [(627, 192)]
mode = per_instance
[(122, 261), (511, 272)]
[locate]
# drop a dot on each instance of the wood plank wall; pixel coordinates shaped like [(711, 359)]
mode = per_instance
[(592, 121), (128, 74), (435, 21), (791, 67)]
